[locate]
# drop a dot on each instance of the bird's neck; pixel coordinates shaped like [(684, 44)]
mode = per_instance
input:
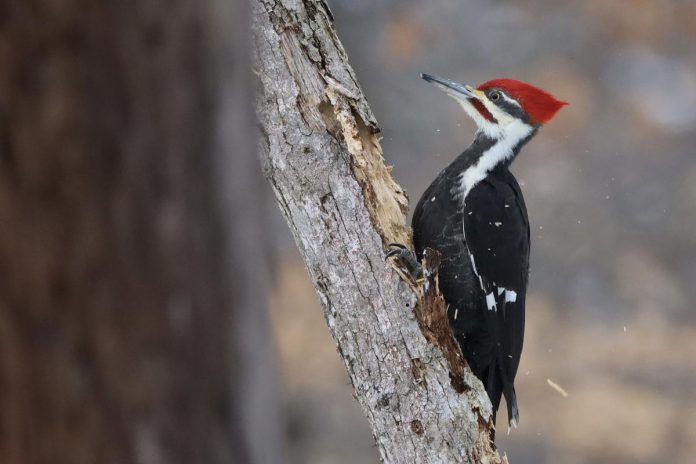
[(488, 153)]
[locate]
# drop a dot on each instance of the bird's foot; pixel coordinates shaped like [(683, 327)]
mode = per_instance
[(405, 260)]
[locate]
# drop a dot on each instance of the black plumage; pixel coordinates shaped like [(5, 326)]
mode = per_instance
[(489, 228), (474, 215)]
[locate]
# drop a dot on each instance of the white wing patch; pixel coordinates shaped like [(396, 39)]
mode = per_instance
[(491, 304), (490, 297), (510, 295)]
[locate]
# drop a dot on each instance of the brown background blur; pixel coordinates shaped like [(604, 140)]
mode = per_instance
[(611, 189)]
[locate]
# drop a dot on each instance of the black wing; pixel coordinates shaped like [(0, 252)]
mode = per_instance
[(496, 231)]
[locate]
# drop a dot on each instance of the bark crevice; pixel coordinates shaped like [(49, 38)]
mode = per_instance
[(326, 167)]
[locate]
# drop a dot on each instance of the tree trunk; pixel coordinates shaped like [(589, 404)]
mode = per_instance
[(322, 157), (118, 296)]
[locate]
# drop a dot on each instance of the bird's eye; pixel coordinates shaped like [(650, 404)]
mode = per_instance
[(495, 96)]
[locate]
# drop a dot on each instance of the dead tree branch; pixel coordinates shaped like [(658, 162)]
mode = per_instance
[(321, 154)]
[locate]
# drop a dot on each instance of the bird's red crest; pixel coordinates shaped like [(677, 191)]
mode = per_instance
[(540, 105)]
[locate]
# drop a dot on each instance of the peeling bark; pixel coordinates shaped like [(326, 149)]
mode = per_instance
[(322, 156)]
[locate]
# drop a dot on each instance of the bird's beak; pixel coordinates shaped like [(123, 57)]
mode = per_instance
[(453, 89)]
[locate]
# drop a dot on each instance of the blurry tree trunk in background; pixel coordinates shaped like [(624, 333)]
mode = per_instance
[(131, 251), (323, 159)]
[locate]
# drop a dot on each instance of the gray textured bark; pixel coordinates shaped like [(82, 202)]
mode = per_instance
[(116, 304), (322, 156)]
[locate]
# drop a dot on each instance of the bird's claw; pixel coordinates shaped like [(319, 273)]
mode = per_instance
[(398, 249), (405, 259)]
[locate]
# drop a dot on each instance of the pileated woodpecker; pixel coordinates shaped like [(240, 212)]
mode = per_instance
[(474, 215)]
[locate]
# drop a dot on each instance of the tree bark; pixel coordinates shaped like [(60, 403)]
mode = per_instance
[(321, 154), (126, 241)]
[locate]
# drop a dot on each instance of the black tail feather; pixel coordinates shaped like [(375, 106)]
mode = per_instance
[(511, 400)]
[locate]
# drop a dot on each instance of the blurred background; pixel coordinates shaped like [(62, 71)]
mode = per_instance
[(610, 186), (149, 315)]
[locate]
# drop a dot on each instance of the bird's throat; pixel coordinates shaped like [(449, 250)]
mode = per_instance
[(487, 153)]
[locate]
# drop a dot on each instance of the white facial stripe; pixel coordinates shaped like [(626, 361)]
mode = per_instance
[(492, 130), (510, 100), (501, 116), (508, 137), (482, 123)]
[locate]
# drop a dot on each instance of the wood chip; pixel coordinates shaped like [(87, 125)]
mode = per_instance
[(557, 387)]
